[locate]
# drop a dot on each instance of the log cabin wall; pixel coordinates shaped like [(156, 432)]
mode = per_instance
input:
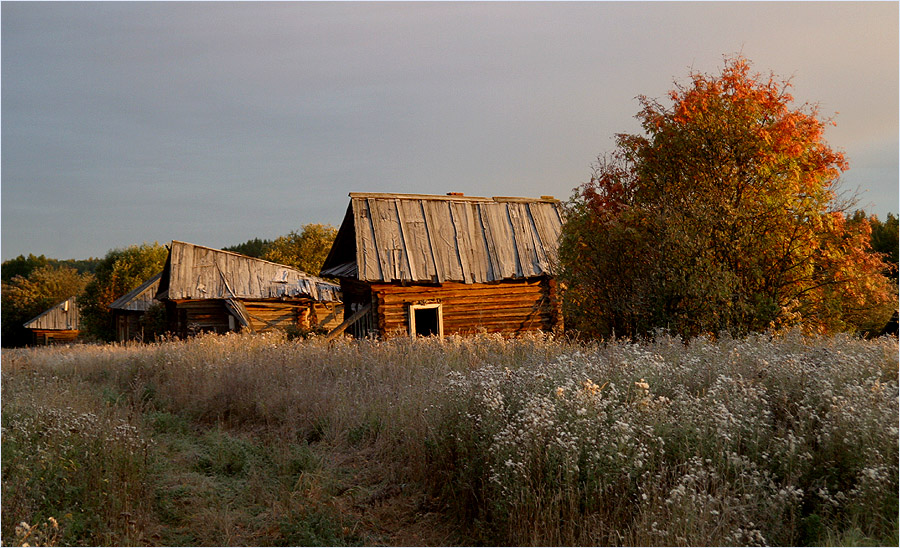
[(54, 336), (265, 316), (507, 307), (192, 317), (128, 325)]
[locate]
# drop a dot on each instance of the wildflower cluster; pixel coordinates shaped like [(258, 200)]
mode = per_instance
[(62, 461), (45, 534), (746, 433)]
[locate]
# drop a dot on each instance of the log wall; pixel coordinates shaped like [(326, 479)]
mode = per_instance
[(128, 325), (191, 317), (265, 316), (508, 307), (54, 336)]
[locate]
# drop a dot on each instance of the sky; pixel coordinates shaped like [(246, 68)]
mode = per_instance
[(215, 123)]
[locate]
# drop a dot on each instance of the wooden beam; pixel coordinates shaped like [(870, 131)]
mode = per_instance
[(348, 322)]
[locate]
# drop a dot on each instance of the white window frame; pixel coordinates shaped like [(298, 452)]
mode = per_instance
[(426, 306)]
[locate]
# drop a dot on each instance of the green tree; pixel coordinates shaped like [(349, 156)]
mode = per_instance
[(24, 266), (306, 250), (722, 216), (24, 297), (251, 248), (118, 273), (884, 240)]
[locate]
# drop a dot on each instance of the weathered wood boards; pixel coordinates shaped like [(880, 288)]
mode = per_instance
[(140, 298), (433, 239), (197, 272), (488, 262), (59, 323), (510, 307), (213, 290), (128, 309)]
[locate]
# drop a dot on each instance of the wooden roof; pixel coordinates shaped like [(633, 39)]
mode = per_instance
[(63, 316), (140, 298), (453, 238), (197, 272)]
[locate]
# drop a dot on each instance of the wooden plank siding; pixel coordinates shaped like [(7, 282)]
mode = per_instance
[(436, 239), (198, 272), (488, 262), (511, 307), (53, 336), (62, 316), (140, 298), (267, 315), (212, 315)]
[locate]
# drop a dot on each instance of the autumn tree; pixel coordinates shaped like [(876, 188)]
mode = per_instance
[(305, 250), (24, 297), (722, 216), (118, 273)]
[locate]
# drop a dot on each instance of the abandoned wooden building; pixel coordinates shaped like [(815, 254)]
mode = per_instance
[(58, 324), (435, 265), (128, 310), (207, 289)]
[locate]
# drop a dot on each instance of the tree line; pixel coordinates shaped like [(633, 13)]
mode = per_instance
[(33, 284)]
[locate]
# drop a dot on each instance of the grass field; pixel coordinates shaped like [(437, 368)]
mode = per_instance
[(258, 440)]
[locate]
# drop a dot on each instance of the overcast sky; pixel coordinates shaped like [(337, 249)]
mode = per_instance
[(217, 123)]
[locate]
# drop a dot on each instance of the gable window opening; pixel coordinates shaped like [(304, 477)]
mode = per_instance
[(426, 320)]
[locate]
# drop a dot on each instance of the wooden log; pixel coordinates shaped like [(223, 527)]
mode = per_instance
[(348, 322)]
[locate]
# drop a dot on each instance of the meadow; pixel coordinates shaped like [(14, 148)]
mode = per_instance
[(772, 439)]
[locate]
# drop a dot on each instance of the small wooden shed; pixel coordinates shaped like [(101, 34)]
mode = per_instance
[(58, 324), (128, 309), (206, 289), (413, 264)]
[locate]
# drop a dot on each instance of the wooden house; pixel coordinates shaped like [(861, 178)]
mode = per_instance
[(207, 289), (435, 265), (58, 324), (128, 309)]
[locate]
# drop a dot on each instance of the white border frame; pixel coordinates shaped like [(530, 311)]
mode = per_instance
[(425, 306)]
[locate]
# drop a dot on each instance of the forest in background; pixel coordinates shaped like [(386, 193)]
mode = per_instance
[(33, 284)]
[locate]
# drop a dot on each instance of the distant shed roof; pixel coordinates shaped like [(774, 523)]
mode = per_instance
[(62, 316), (197, 272), (140, 298), (453, 238)]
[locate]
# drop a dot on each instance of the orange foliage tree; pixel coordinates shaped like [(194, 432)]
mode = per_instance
[(723, 216)]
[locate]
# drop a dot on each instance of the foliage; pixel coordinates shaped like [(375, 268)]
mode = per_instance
[(23, 266), (723, 217), (24, 297), (118, 273), (91, 468), (306, 250), (154, 321), (252, 248), (884, 240)]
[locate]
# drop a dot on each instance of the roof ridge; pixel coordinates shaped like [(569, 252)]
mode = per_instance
[(307, 274), (450, 197)]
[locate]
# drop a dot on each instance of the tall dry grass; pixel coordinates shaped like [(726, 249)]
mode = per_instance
[(242, 439)]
